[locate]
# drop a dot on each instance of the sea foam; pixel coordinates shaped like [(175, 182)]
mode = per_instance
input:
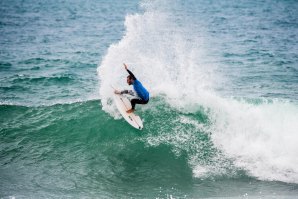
[(259, 138)]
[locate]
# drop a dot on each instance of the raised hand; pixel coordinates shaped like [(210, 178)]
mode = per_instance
[(125, 66)]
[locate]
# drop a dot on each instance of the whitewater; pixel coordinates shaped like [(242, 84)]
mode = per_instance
[(256, 135)]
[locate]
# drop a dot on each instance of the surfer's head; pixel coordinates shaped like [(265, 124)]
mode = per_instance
[(129, 80)]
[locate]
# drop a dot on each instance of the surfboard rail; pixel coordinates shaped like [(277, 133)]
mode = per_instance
[(123, 104)]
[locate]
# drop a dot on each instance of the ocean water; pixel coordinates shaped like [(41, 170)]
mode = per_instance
[(222, 121)]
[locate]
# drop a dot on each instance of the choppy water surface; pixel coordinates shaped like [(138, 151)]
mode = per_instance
[(221, 122)]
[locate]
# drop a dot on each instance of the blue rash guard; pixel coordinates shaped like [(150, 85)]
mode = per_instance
[(139, 88)]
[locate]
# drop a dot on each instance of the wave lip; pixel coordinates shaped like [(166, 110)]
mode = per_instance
[(162, 55)]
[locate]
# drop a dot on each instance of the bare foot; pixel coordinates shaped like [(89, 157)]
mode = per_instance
[(130, 111)]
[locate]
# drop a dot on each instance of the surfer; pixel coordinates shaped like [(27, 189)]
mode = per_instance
[(143, 94)]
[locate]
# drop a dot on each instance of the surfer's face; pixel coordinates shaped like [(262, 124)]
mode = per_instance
[(129, 81)]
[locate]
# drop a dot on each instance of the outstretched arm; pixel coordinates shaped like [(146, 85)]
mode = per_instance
[(130, 73), (129, 92)]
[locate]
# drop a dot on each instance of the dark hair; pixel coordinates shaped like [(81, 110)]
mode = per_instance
[(129, 76)]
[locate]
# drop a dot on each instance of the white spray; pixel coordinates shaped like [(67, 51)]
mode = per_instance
[(260, 139)]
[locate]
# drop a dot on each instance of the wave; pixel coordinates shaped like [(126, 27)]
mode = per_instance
[(239, 139), (254, 136), (55, 79), (50, 104)]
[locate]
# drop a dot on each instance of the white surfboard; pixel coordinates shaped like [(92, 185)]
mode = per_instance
[(123, 104)]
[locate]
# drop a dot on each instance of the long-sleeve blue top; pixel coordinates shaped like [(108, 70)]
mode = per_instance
[(139, 88)]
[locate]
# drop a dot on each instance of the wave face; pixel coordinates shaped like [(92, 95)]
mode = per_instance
[(170, 56), (75, 150)]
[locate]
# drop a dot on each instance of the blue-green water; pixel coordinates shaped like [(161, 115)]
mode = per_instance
[(222, 121)]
